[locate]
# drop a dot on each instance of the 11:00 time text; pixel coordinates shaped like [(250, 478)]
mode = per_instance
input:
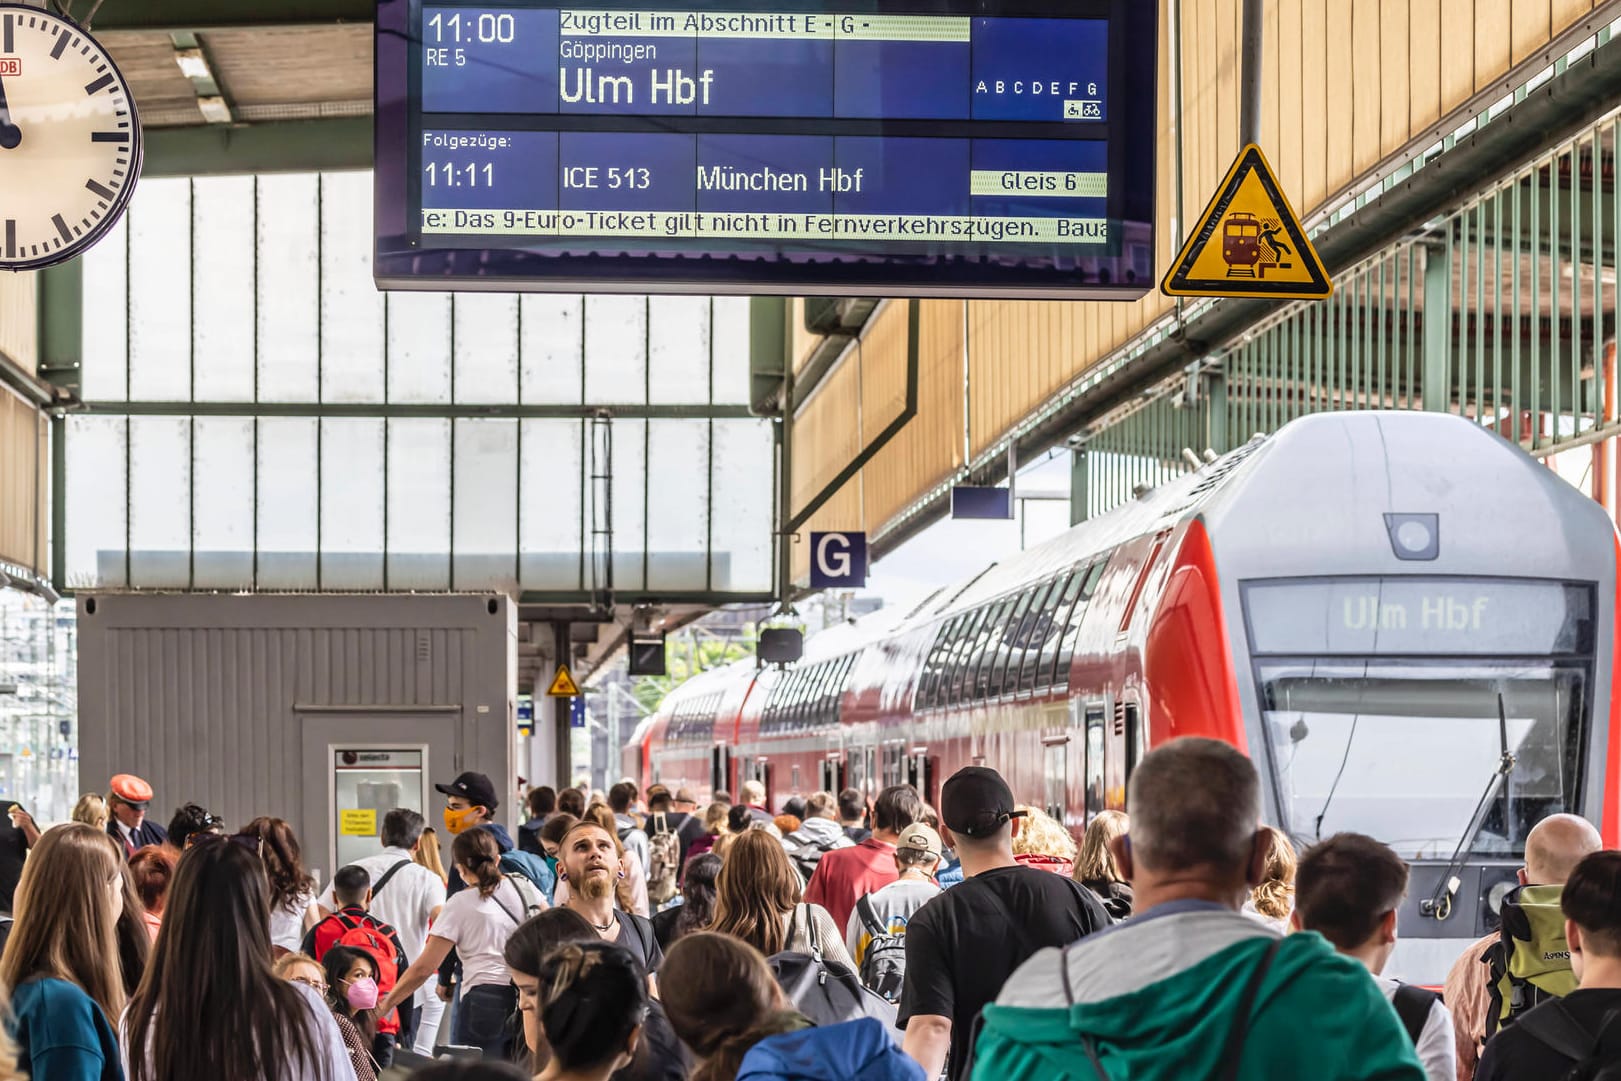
[(471, 175)]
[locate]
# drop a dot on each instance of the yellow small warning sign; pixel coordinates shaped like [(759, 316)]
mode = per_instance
[(563, 685), (361, 823), (1248, 243)]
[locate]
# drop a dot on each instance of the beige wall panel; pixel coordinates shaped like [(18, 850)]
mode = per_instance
[(1341, 86), (1489, 21), (801, 342), (883, 381), (19, 322), (827, 432), (1313, 103), (1529, 29), (22, 483), (1425, 47), (1364, 86), (1285, 150), (1395, 119), (1566, 12)]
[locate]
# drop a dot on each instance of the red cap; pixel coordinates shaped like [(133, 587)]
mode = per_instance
[(132, 790)]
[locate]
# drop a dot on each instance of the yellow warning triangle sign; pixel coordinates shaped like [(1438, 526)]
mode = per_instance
[(1248, 243), (563, 685)]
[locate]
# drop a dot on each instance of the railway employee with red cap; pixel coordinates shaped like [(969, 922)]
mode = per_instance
[(127, 799)]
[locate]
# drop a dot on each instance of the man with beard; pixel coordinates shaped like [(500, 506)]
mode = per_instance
[(588, 860)]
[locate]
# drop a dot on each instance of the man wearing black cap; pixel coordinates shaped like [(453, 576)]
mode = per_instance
[(963, 945)]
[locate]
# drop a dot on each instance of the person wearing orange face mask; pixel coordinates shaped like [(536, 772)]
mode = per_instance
[(470, 803)]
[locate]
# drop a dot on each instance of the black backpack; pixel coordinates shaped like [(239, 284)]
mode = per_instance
[(807, 856), (883, 966), (824, 992), (1553, 1025)]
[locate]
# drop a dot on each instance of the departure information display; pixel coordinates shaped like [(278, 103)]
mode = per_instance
[(966, 149)]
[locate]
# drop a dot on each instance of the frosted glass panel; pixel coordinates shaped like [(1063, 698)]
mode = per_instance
[(160, 502), (550, 342), (160, 291), (731, 350), (286, 521), (741, 530), (351, 306), (222, 530), (106, 328), (629, 468), (677, 524), (419, 348), (96, 503), (549, 508), (352, 504), (615, 350), (486, 355), (419, 504), (678, 350), (289, 309), (486, 507), (222, 209)]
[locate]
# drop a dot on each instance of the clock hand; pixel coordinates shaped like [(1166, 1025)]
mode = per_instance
[(10, 134)]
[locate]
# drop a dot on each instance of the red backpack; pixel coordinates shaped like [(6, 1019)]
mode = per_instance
[(372, 939)]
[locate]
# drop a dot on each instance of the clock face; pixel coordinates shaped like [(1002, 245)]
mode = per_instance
[(70, 142)]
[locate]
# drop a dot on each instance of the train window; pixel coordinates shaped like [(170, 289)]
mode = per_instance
[(1093, 576), (1060, 606), (962, 655), (939, 661), (990, 647), (794, 772), (1094, 760), (1038, 632), (1142, 580), (950, 666), (930, 678), (1010, 647), (1071, 633)]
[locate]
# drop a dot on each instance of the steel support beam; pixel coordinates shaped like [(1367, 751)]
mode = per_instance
[(1436, 361), (282, 147), (404, 411), (1080, 484), (170, 16)]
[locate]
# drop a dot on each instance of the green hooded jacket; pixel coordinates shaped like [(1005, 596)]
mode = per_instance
[(1317, 1015)]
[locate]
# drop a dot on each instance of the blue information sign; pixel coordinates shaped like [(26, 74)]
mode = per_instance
[(983, 147), (838, 560)]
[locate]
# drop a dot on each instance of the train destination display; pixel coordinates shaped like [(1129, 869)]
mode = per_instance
[(972, 149)]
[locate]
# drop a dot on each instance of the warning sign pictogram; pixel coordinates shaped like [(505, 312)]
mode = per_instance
[(563, 685), (1248, 243)]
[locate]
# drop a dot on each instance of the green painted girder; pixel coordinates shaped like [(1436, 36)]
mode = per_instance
[(279, 147)]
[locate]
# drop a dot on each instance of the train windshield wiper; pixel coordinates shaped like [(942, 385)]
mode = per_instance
[(1439, 904)]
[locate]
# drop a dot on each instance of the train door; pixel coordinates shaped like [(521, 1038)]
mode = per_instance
[(920, 774), (1136, 736), (832, 774), (763, 771), (1055, 774), (720, 769)]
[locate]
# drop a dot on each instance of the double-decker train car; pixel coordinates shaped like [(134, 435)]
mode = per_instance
[(1375, 606)]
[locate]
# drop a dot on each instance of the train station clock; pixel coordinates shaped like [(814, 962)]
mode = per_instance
[(70, 141)]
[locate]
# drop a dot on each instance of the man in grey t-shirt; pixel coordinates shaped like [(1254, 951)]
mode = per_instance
[(917, 857)]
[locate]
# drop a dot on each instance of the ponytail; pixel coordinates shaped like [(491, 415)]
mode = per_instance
[(477, 850), (593, 995), (726, 1058)]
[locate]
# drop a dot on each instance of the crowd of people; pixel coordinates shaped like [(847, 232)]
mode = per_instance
[(641, 937)]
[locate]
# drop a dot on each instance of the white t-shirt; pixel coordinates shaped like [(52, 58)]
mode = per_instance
[(408, 898), (479, 928), (331, 1054), (287, 924), (1437, 1047)]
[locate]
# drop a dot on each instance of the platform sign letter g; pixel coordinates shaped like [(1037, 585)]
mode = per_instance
[(838, 560)]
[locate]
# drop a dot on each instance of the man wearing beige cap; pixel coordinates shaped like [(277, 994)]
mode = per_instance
[(127, 800), (879, 919)]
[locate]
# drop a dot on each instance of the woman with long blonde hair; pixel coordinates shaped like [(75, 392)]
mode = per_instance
[(1273, 901), (1096, 869), (91, 810), (758, 899), (427, 853), (62, 959)]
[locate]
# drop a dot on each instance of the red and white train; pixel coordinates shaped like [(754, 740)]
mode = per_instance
[(1369, 604)]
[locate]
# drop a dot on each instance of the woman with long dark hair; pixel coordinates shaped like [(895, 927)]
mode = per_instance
[(659, 1055), (351, 991), (477, 922), (697, 908), (62, 959), (293, 890), (210, 1006)]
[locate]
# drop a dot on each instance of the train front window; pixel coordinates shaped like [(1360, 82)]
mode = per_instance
[(1401, 749)]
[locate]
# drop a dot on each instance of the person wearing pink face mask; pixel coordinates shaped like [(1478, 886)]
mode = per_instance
[(351, 991)]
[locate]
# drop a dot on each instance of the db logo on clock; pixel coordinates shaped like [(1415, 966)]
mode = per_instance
[(11, 65)]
